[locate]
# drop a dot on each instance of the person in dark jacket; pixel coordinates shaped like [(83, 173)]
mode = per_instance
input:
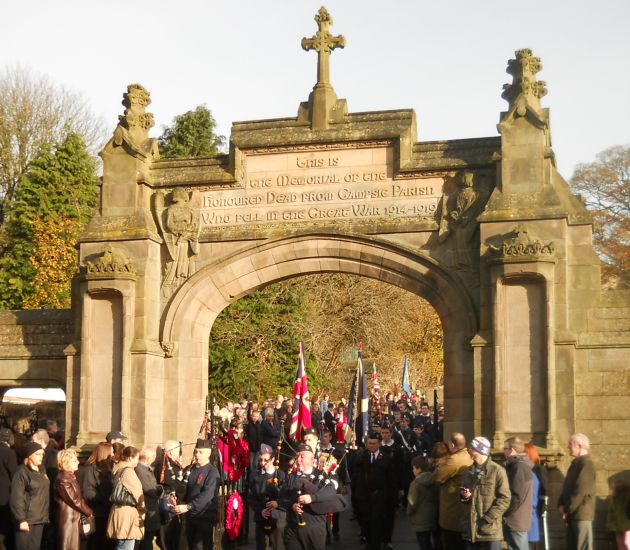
[(263, 492), (577, 499), (97, 482), (30, 498), (152, 492), (518, 517), (253, 435), (377, 490), (8, 465), (70, 502), (201, 501), (169, 473), (306, 502), (270, 430), (49, 467)]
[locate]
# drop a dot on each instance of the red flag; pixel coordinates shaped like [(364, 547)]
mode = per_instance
[(301, 403)]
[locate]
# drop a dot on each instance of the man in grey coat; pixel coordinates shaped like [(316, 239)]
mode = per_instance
[(577, 499), (518, 517)]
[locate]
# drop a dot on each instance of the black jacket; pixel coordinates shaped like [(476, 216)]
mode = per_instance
[(253, 435), (263, 487), (96, 488), (306, 484), (270, 434), (8, 465), (152, 492), (379, 479), (30, 496)]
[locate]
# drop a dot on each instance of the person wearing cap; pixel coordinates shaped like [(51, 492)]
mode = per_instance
[(486, 493), (304, 497), (115, 437), (30, 498), (200, 502), (448, 477), (263, 491), (8, 466)]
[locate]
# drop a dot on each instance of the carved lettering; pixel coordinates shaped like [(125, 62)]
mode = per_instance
[(320, 186)]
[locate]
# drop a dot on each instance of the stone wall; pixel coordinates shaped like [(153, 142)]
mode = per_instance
[(32, 347), (602, 391)]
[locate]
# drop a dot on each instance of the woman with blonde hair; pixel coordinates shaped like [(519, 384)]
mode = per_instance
[(126, 518), (70, 502)]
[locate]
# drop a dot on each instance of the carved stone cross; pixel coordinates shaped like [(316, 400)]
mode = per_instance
[(323, 43)]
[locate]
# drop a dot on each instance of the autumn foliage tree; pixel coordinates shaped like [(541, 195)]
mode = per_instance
[(54, 262), (605, 188), (345, 310), (53, 202)]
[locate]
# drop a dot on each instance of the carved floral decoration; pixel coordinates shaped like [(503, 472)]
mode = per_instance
[(523, 246), (111, 264)]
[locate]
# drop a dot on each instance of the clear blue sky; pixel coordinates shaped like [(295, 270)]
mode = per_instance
[(242, 58)]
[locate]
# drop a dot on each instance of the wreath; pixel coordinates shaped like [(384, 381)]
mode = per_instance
[(233, 516)]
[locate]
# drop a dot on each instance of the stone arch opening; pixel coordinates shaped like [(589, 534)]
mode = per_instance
[(189, 317)]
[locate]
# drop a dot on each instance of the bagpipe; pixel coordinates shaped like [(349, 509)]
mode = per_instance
[(324, 474)]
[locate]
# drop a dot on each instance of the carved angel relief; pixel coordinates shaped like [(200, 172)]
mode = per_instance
[(458, 218), (179, 225)]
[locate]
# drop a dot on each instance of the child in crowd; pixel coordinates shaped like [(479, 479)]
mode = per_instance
[(422, 503)]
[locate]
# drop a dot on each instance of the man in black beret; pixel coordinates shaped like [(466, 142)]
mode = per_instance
[(201, 501), (306, 498)]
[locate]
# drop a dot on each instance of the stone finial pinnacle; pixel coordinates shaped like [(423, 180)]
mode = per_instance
[(135, 101), (524, 89)]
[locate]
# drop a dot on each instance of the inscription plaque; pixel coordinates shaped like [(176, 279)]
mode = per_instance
[(320, 186)]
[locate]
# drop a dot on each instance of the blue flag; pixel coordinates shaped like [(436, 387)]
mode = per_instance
[(406, 387)]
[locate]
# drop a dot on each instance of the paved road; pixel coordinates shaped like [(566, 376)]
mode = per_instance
[(404, 538)]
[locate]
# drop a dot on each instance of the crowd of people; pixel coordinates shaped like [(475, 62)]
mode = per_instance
[(453, 494)]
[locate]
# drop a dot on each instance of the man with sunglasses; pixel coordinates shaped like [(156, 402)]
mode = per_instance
[(263, 492)]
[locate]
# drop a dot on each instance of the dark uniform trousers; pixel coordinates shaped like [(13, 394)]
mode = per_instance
[(199, 533), (377, 490), (311, 536)]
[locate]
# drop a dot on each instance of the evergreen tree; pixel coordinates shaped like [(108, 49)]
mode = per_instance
[(59, 186), (191, 135)]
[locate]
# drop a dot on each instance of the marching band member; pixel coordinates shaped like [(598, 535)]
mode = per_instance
[(264, 486), (201, 501), (308, 496)]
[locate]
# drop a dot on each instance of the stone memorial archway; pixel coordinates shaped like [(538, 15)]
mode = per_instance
[(485, 229)]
